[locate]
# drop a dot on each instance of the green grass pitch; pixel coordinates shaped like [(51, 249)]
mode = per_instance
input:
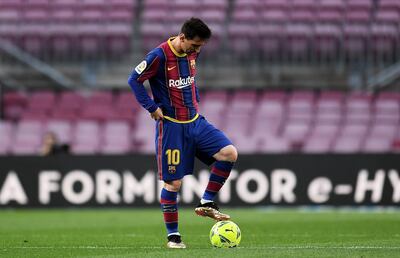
[(141, 233)]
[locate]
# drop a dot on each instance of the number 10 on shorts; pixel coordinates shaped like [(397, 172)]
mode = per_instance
[(173, 156)]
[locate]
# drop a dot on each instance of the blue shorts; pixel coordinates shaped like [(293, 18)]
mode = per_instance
[(178, 143)]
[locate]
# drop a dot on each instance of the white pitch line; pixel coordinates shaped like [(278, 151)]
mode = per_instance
[(326, 247), (83, 247), (258, 248)]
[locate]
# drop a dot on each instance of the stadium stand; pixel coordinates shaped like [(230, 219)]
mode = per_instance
[(60, 28), (257, 121), (252, 33), (295, 29)]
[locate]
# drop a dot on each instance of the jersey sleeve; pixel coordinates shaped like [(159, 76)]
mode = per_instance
[(147, 68), (144, 71)]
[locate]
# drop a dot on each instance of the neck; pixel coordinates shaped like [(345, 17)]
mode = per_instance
[(177, 45)]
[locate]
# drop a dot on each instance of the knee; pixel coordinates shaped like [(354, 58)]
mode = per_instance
[(173, 186), (228, 153)]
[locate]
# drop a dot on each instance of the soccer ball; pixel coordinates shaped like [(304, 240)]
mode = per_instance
[(225, 234)]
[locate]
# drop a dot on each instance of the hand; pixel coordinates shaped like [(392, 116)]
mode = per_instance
[(157, 115)]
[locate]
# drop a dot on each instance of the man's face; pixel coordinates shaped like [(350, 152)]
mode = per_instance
[(191, 45)]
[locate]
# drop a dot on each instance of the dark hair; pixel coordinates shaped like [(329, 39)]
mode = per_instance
[(195, 27)]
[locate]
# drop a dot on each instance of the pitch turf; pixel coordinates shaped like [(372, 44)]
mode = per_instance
[(141, 233)]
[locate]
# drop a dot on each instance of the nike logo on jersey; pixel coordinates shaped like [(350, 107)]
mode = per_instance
[(170, 68)]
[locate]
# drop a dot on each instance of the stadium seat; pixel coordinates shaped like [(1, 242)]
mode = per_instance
[(384, 39), (70, 100), (245, 15), (383, 131), (354, 130), (24, 149), (347, 144), (273, 16), (327, 40), (152, 34), (297, 41), (269, 116), (114, 148), (65, 3), (355, 41), (246, 145), (212, 16), (325, 130), (358, 16), (329, 108), (243, 102), (215, 4), (28, 138), (242, 37), (154, 16), (358, 108), (271, 40), (61, 128), (116, 131), (365, 5), (377, 145), (329, 16), (144, 125), (317, 144), (29, 127), (301, 106), (266, 126), (155, 4), (389, 4), (302, 16), (390, 17), (11, 3), (274, 145), (122, 4), (338, 5), (42, 101), (83, 149), (37, 3), (237, 124), (14, 105), (296, 132), (10, 15), (304, 4), (6, 136), (253, 4)]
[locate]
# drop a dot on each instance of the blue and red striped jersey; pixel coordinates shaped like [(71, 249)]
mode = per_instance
[(172, 80)]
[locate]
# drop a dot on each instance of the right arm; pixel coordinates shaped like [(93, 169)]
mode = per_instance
[(145, 70)]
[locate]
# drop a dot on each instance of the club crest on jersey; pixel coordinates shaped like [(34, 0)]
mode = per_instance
[(141, 67), (181, 82), (193, 64), (171, 169)]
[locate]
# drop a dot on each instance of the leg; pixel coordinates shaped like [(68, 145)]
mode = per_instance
[(214, 147), (226, 157), (169, 207), (169, 195), (219, 173), (170, 150), (227, 153)]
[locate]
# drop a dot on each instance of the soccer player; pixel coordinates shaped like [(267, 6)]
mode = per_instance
[(181, 132)]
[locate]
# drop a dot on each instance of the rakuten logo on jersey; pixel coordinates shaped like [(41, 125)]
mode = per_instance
[(181, 83)]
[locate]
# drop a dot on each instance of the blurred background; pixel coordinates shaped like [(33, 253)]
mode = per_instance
[(308, 91), (278, 76)]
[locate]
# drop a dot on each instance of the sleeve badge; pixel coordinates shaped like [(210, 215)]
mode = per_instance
[(141, 67)]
